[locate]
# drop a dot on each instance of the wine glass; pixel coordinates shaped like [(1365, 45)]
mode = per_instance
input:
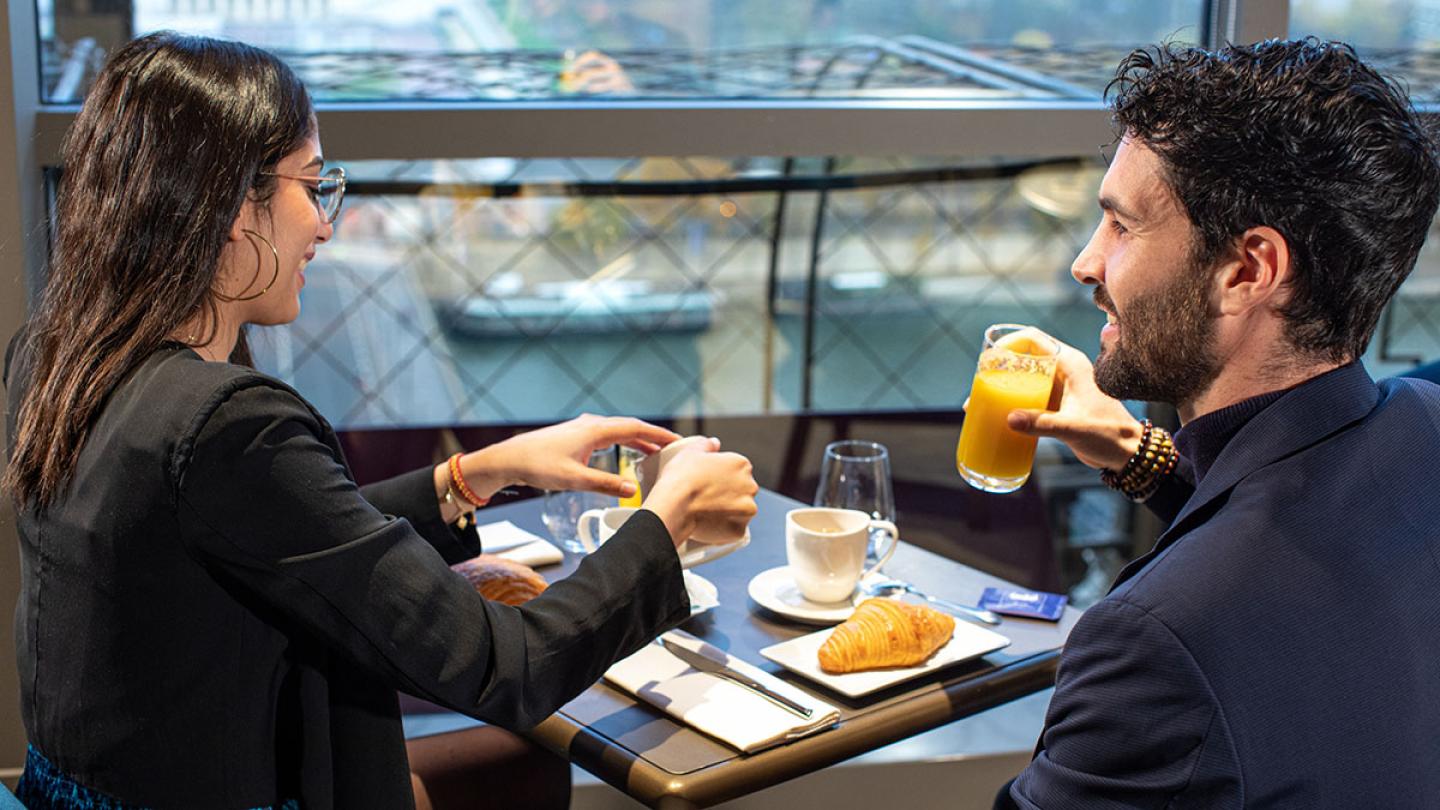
[(855, 474)]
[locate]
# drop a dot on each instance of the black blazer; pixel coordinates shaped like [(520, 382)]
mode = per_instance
[(213, 614)]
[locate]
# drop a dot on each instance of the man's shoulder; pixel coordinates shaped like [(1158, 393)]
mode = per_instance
[(1399, 395)]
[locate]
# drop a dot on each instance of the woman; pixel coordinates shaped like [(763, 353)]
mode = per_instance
[(212, 614)]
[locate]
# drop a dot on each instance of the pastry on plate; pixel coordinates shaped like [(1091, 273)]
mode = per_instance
[(885, 633), (502, 580)]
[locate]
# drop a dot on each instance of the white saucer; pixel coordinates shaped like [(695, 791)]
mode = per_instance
[(775, 590), (693, 553), (703, 593)]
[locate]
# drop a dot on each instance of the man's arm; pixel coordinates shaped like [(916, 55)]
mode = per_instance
[(1132, 724)]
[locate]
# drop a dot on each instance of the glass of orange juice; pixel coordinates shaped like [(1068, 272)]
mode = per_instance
[(629, 461), (1016, 369)]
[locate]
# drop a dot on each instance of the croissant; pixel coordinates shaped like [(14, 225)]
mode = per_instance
[(885, 633), (501, 580)]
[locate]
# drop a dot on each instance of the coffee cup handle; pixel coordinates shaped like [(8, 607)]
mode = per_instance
[(889, 551), (582, 529)]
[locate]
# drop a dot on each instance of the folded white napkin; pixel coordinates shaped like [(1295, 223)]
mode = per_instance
[(716, 706), (505, 539), (703, 593)]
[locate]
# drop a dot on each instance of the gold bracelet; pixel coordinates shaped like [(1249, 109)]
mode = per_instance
[(465, 510)]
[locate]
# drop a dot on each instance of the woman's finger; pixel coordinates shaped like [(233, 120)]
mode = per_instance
[(605, 483), (625, 430), (647, 448)]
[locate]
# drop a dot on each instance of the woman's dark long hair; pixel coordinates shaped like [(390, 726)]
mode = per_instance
[(172, 139)]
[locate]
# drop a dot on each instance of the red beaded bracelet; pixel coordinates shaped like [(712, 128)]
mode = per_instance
[(458, 479)]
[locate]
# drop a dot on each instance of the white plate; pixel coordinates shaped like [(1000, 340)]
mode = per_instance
[(776, 590), (800, 655), (693, 553), (703, 593)]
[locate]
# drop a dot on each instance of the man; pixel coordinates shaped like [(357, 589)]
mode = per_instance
[(1280, 645)]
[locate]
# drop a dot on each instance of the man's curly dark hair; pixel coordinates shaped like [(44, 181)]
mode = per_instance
[(1303, 137)]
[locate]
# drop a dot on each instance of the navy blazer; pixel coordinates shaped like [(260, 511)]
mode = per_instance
[(1280, 645)]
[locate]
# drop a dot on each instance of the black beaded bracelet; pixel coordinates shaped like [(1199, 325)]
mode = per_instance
[(1154, 459)]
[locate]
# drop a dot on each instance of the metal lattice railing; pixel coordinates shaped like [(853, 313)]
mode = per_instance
[(857, 67), (906, 66)]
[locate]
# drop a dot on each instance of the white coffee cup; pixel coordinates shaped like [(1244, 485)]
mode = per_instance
[(650, 466), (598, 525), (607, 522), (826, 550), (653, 466)]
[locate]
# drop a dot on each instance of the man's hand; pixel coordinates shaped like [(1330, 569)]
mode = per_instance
[(1096, 427)]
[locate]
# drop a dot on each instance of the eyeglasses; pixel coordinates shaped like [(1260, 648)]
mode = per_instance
[(327, 191)]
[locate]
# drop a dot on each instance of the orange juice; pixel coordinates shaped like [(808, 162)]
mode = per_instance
[(987, 446), (627, 471), (1015, 371)]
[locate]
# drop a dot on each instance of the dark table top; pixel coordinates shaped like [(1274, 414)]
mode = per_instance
[(659, 761)]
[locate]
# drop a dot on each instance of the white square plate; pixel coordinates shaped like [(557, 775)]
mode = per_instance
[(799, 655)]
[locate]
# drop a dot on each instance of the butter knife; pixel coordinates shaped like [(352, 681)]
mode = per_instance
[(705, 663)]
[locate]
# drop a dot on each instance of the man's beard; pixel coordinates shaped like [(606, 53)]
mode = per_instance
[(1164, 350)]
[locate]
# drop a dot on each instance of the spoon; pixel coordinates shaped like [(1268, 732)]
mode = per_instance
[(892, 586)]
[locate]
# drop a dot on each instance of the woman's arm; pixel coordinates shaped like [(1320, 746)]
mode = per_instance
[(702, 486), (413, 497), (267, 506)]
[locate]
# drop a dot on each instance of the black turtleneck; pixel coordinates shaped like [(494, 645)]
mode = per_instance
[(1200, 442), (1203, 439)]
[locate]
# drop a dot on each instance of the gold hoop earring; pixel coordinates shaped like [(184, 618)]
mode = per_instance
[(254, 235)]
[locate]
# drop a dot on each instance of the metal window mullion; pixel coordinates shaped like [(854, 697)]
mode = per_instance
[(1245, 21), (778, 129), (22, 213)]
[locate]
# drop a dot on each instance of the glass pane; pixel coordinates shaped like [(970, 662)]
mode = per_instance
[(519, 291), (1398, 37), (527, 291), (507, 50)]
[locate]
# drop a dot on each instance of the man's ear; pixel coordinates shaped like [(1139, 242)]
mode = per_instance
[(1255, 274)]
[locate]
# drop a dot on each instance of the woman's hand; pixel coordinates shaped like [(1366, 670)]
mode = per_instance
[(1097, 427), (556, 457), (704, 492)]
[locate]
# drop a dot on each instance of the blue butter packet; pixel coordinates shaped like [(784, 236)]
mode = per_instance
[(1020, 602)]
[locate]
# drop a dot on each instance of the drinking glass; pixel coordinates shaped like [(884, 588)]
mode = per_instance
[(630, 459), (1016, 370), (855, 474), (564, 507)]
